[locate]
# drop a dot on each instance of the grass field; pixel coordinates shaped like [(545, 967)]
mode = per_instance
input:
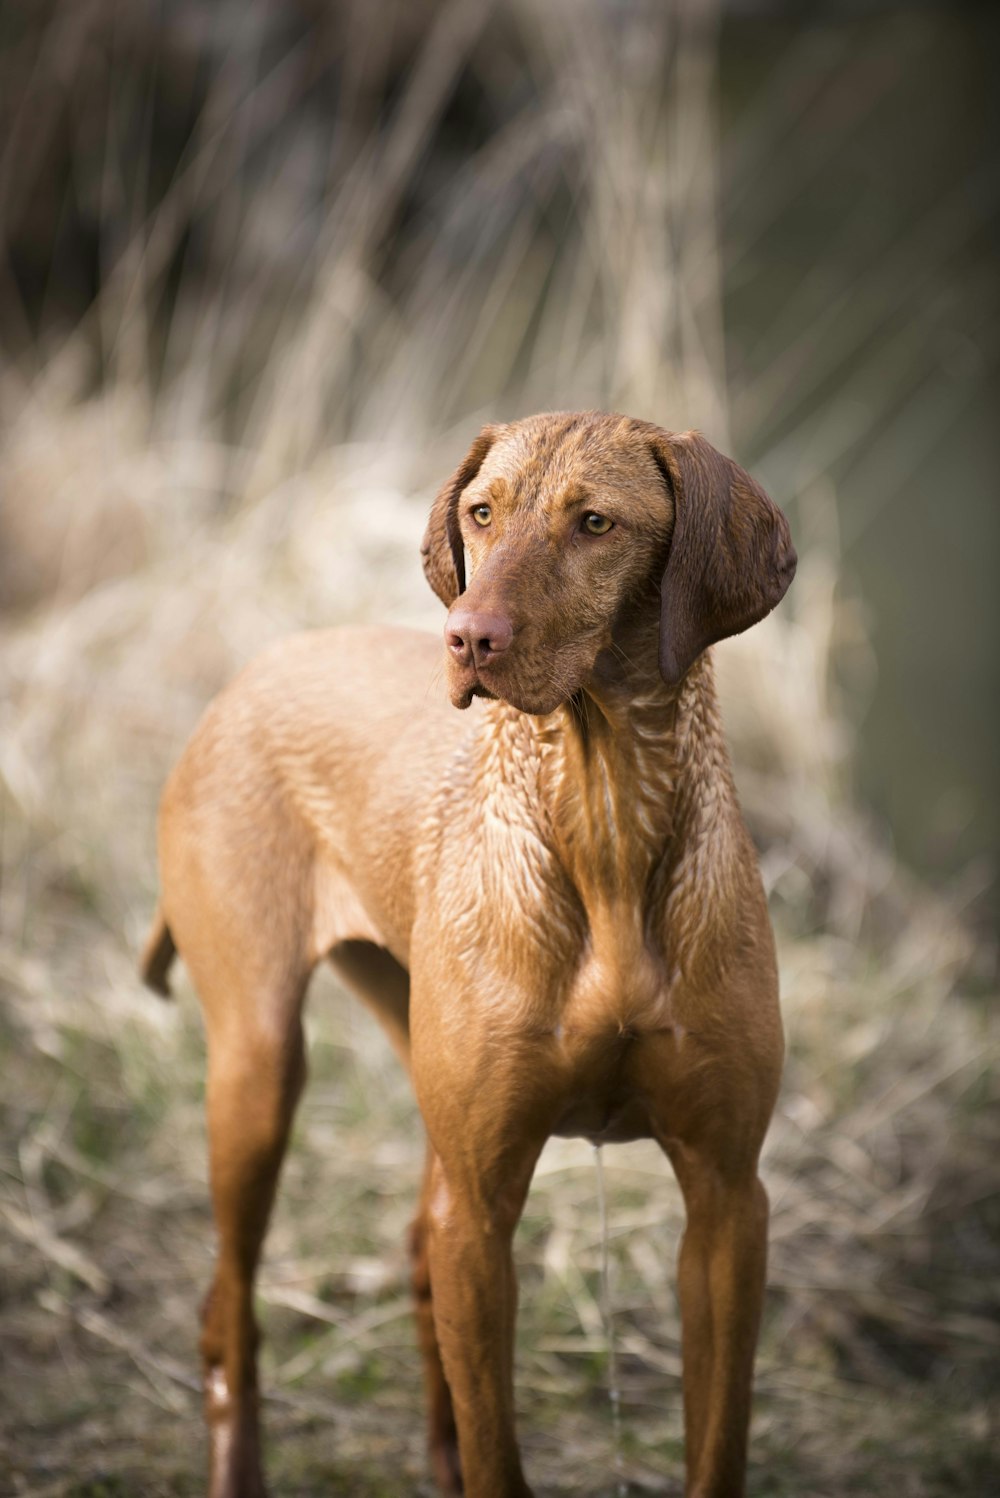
[(879, 1354), (240, 438)]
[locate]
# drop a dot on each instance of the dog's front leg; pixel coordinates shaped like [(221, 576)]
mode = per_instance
[(475, 1306), (721, 1289), (484, 1105)]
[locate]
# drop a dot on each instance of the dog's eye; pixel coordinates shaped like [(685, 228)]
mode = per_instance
[(596, 525), (482, 514)]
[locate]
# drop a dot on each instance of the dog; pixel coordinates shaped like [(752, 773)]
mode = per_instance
[(550, 900)]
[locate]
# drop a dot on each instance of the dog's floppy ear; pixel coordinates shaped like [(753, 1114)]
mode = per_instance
[(731, 556), (441, 550)]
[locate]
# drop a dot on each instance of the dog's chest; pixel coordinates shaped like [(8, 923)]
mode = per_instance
[(553, 955), (544, 877)]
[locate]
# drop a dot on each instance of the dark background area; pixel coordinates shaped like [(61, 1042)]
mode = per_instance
[(858, 212), (862, 261)]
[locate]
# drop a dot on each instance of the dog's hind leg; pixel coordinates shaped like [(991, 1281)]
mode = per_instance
[(442, 1434), (384, 984), (256, 1071), (243, 938)]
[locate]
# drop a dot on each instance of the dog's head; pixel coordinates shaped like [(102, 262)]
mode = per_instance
[(576, 528)]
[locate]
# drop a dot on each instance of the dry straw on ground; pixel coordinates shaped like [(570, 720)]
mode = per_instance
[(163, 522)]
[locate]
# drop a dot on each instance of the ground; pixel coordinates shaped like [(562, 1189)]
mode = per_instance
[(862, 1387)]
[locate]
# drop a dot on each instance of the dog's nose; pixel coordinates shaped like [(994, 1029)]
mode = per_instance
[(472, 636)]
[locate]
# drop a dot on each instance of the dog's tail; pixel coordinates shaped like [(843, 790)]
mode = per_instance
[(157, 955)]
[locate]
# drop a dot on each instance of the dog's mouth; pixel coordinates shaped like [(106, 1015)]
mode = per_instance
[(466, 683), (507, 684), (478, 689)]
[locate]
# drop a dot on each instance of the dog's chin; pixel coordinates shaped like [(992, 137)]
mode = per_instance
[(550, 685), (537, 704)]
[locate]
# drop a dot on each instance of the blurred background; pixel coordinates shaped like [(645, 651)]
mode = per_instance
[(264, 270)]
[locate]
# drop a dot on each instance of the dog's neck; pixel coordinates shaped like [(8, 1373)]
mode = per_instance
[(608, 788), (638, 808)]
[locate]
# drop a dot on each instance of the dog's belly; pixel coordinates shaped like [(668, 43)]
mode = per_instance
[(608, 1085), (612, 1118)]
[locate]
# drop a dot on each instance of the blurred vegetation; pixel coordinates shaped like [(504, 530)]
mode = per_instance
[(265, 269)]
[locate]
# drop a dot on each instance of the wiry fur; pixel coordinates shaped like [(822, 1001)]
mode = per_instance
[(551, 901)]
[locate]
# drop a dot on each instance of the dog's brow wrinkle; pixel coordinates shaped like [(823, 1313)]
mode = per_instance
[(573, 495)]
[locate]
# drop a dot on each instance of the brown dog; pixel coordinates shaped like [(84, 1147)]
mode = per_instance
[(552, 903)]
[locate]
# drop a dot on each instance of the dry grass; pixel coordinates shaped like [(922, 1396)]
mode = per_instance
[(163, 522)]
